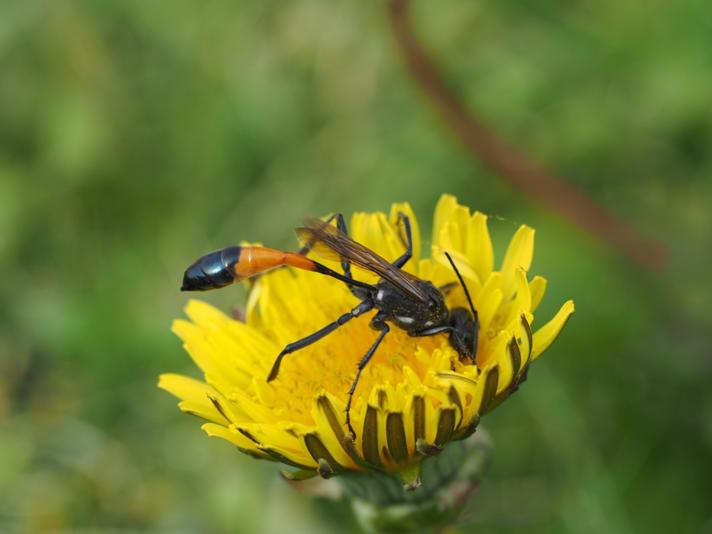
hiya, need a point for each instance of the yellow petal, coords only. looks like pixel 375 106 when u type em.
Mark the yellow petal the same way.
pixel 205 316
pixel 435 272
pixel 498 354
pixel 186 388
pixel 443 212
pixel 281 440
pixel 450 225
pixel 195 396
pixel 521 303
pixel 462 262
pixel 488 300
pixel 525 338
pixel 546 335
pixel 207 355
pixel 519 255
pixel 375 232
pixel 479 246
pixel 233 436
pixel 486 387
pixel 327 412
pixel 537 287
pixel 464 384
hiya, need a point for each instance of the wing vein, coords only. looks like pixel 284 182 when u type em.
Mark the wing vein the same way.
pixel 317 232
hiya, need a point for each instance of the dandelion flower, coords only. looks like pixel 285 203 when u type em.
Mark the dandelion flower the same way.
pixel 414 397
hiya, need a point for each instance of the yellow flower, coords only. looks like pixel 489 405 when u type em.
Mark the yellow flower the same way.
pixel 414 397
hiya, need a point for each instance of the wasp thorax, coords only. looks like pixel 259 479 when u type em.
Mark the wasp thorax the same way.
pixel 412 315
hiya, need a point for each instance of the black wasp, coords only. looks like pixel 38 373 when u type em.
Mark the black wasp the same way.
pixel 401 299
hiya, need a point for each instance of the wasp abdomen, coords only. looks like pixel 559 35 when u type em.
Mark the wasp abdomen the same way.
pixel 232 264
pixel 212 271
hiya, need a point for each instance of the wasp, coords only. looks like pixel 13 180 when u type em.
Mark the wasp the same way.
pixel 400 299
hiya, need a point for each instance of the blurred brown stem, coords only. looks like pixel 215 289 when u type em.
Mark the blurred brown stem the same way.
pixel 520 171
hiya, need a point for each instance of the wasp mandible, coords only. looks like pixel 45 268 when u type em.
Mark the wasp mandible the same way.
pixel 401 299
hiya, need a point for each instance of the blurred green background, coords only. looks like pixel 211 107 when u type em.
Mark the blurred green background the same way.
pixel 137 135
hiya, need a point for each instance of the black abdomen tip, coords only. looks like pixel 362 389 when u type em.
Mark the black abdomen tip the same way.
pixel 212 271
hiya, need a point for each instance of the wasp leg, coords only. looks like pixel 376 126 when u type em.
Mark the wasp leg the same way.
pixel 383 327
pixel 341 225
pixel 306 248
pixel 362 308
pixel 345 264
pixel 400 262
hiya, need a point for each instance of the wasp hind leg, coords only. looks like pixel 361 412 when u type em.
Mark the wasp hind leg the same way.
pixel 378 323
pixel 307 248
pixel 400 262
pixel 345 264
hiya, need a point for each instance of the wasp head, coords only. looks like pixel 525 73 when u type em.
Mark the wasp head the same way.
pixel 463 336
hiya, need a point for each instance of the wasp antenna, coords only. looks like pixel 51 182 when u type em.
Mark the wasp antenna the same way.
pixel 464 287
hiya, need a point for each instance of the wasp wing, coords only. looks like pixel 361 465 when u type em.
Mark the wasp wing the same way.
pixel 331 243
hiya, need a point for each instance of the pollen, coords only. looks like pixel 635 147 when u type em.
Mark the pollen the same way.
pixel 414 396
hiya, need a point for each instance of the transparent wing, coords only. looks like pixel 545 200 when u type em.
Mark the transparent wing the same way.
pixel 331 243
